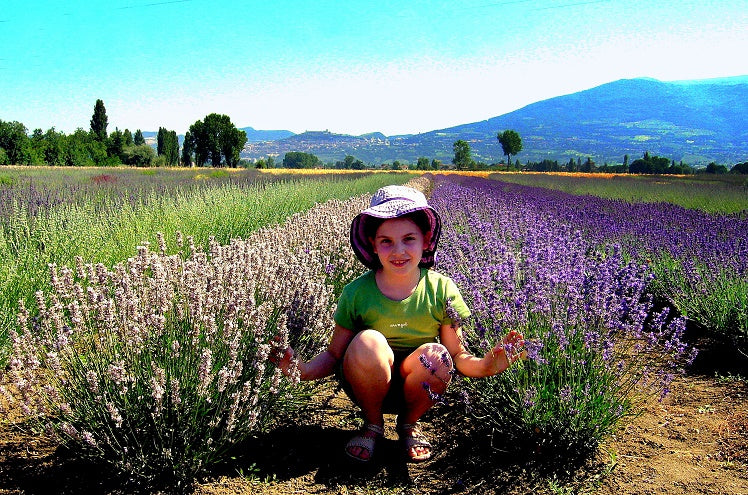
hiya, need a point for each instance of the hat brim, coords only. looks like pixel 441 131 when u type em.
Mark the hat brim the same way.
pixel 362 245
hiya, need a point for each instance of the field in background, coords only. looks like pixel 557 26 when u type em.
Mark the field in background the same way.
pixel 709 193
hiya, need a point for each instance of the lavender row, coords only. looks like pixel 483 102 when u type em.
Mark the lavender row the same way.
pixel 700 259
pixel 596 345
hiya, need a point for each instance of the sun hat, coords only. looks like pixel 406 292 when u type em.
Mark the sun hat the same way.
pixel 393 202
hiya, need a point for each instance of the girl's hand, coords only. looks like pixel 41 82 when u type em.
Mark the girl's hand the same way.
pixel 283 359
pixel 510 349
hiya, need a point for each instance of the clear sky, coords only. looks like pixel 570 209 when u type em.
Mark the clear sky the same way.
pixel 347 66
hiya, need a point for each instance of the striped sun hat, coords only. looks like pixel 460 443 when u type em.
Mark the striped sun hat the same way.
pixel 393 202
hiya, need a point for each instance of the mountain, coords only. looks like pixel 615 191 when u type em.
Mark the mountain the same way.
pixel 694 121
pixel 697 122
pixel 328 146
pixel 259 135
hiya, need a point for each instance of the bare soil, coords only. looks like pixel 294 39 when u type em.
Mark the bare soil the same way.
pixel 693 442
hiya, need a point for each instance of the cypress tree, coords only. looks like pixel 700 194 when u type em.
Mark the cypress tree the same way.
pixel 99 121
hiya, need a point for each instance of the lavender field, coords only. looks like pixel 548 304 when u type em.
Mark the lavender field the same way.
pixel 698 260
pixel 51 215
pixel 113 360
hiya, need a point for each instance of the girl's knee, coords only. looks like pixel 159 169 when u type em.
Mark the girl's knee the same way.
pixel 369 338
pixel 435 361
pixel 369 346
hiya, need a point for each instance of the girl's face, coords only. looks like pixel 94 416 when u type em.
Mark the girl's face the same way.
pixel 399 244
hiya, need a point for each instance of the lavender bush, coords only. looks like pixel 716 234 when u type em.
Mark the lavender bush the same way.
pixel 595 347
pixel 159 365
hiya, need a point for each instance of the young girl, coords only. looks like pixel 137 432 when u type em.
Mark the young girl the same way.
pixel 383 348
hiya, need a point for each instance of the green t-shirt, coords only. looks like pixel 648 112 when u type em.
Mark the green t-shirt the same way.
pixel 408 323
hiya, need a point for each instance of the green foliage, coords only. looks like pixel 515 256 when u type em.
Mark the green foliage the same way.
pixel 216 139
pixel 713 168
pixel 462 159
pixel 740 168
pixel 649 165
pixel 80 149
pixel 138 139
pixel 15 143
pixel 167 145
pixel 511 144
pixel 423 163
pixel 217 174
pixel 188 149
pixel 716 300
pixel 299 159
pixel 653 165
pixel 350 163
pixel 140 155
pixel 116 144
pixel 54 146
pixel 99 121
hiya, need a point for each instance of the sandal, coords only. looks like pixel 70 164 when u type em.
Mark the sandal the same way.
pixel 366 440
pixel 413 437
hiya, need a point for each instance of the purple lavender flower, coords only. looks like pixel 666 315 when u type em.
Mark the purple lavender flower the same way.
pixel 529 398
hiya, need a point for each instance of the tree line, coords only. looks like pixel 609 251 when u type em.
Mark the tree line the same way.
pixel 511 144
pixel 214 139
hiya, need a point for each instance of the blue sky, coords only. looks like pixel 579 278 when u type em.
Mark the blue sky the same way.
pixel 349 66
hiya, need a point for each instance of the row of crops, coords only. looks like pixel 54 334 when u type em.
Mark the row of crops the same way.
pixel 155 359
pixel 53 215
pixel 699 260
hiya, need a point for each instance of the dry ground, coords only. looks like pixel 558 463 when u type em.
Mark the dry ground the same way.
pixel 694 442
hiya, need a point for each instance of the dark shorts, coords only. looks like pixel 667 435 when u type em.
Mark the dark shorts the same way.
pixel 394 401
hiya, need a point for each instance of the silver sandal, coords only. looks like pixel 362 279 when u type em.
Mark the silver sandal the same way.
pixel 412 436
pixel 364 441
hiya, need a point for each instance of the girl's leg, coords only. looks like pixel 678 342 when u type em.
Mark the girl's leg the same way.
pixel 428 366
pixel 427 371
pixel 367 367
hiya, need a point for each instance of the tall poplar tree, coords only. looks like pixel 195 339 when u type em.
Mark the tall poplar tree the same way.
pixel 160 141
pixel 167 145
pixel 99 121
pixel 187 149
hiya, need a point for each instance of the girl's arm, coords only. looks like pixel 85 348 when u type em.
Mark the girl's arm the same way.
pixel 492 363
pixel 322 364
